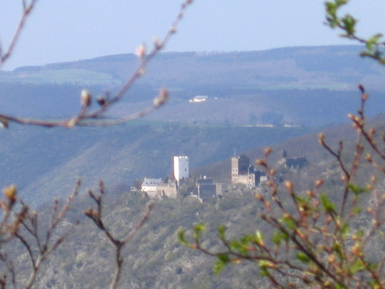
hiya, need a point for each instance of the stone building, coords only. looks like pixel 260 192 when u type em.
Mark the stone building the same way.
pixel 156 188
pixel 293 163
pixel 243 173
pixel 207 189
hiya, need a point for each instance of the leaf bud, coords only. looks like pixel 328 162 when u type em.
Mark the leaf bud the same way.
pixel 319 183
pixel 268 151
pixel 141 51
pixel 4 123
pixel 10 193
pixel 163 95
pixel 356 249
pixel 331 258
pixel 289 186
pixel 321 138
pixel 158 45
pixel 361 87
pixel 372 131
pixel 101 100
pixel 85 98
pixel 162 98
pixel 72 122
pixel 373 179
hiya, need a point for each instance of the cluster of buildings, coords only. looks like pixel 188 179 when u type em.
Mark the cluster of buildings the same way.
pixel 242 172
pixel 206 188
pixel 157 188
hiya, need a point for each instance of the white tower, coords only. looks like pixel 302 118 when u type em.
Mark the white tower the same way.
pixel 181 169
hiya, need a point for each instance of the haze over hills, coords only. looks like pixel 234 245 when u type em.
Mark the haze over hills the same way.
pixel 296 91
pixel 45 163
pixel 308 87
pixel 312 86
pixel 154 258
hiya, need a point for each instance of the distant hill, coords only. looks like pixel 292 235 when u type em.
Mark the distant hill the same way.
pixel 312 86
pixel 323 67
pixel 305 87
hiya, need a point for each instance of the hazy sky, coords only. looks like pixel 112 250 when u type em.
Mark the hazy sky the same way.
pixel 65 30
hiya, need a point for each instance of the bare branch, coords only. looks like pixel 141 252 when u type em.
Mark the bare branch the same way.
pixel 97 217
pixel 97 117
pixel 27 9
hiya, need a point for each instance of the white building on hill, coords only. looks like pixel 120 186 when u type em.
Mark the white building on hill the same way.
pixel 181 168
pixel 199 98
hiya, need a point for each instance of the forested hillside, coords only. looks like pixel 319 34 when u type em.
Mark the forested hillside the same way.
pixel 255 99
pixel 155 258
pixel 288 86
pixel 46 163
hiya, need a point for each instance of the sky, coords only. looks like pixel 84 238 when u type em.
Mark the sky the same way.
pixel 70 30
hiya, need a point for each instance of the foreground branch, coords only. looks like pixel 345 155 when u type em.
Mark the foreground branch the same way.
pixel 97 117
pixel 117 243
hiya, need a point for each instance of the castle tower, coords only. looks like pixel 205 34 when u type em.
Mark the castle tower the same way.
pixel 234 170
pixel 240 171
pixel 181 168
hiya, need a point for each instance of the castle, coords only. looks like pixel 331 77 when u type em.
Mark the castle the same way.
pixel 243 173
pixel 156 188
pixel 293 163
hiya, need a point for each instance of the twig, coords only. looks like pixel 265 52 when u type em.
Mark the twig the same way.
pixel 97 117
pixel 27 9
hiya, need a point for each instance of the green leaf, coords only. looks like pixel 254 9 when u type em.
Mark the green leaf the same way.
pixel 349 23
pixel 263 264
pixel 372 42
pixel 221 231
pixel 259 238
pixel 327 204
pixel 218 267
pixel 303 257
pixel 198 229
pixel 357 266
pixel 223 260
pixel 345 229
pixel 235 245
pixel 357 190
pixel 278 237
pixel 338 249
pixel 356 210
pixel 288 221
pixel 181 237
pixel 247 239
